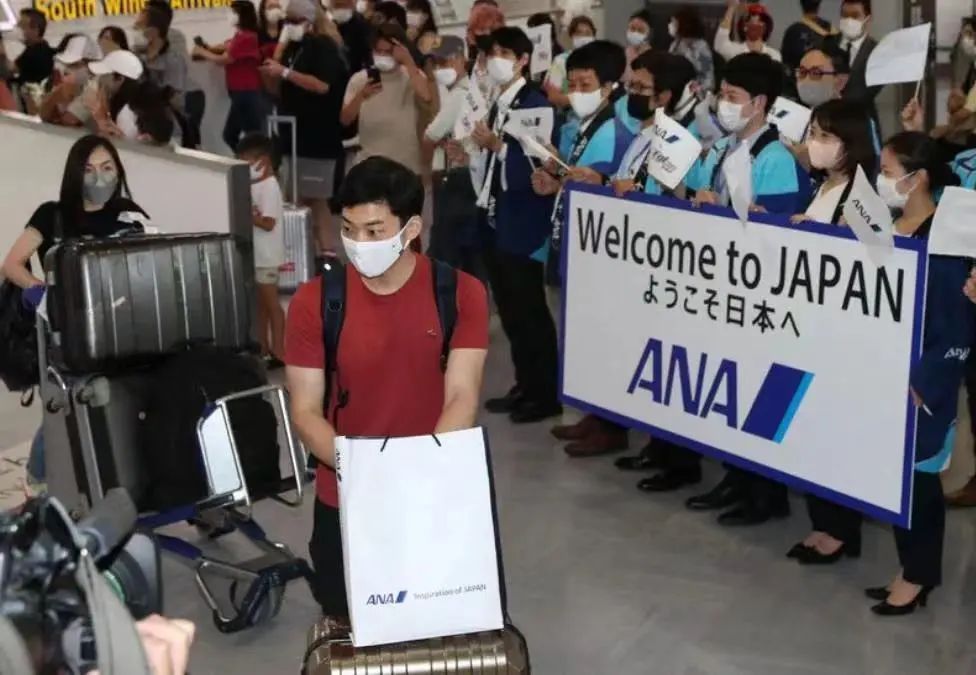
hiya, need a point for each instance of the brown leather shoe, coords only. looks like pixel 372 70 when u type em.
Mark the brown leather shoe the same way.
pixel 963 498
pixel 599 443
pixel 577 432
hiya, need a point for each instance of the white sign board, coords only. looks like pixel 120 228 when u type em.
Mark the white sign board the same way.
pixel 473 110
pixel 952 230
pixel 899 57
pixel 756 345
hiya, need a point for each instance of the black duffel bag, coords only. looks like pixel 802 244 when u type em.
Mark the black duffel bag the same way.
pixel 18 340
pixel 181 390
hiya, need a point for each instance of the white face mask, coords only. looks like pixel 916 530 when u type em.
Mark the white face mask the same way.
pixel 233 20
pixel 582 40
pixel 446 77
pixel 362 6
pixel 274 15
pixel 257 173
pixel 851 29
pixel 636 38
pixel 888 191
pixel 19 34
pixel 415 19
pixel 501 70
pixel 342 15
pixel 730 116
pixel 373 258
pixel 968 46
pixel 384 63
pixel 673 29
pixel 585 104
pixel 824 155
pixel 295 32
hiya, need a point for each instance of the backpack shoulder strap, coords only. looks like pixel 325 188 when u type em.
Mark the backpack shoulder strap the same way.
pixel 445 295
pixel 768 137
pixel 333 314
pixel 839 211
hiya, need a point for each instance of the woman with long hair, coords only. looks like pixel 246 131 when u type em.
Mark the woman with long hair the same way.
pixel 687 33
pixel 94 202
pixel 241 58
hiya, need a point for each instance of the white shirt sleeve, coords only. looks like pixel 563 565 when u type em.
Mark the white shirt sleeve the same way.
pixel 443 123
pixel 725 47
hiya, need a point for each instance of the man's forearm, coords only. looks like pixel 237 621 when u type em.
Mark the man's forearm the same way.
pixel 308 82
pixel 420 83
pixel 460 412
pixel 317 435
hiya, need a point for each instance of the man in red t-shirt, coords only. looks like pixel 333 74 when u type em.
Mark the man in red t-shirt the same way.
pixel 389 354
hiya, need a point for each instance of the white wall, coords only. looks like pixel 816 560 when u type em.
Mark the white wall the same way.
pixel 182 192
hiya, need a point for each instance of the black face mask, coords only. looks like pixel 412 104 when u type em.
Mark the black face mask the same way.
pixel 639 107
pixel 483 43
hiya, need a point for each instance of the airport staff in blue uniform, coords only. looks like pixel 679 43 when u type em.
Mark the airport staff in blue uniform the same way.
pixel 750 84
pixel 913 170
pixel 593 148
pixel 658 81
pixel 514 223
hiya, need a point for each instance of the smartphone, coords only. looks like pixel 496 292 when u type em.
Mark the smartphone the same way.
pixel 373 73
pixel 198 41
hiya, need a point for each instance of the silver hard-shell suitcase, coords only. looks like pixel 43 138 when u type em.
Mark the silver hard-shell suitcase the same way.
pixel 298 229
pixel 123 301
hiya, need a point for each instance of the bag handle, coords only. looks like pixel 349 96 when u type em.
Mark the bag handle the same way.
pixel 274 122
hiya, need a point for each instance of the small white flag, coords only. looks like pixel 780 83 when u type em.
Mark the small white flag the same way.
pixel 737 169
pixel 952 230
pixel 474 109
pixel 900 56
pixel 541 37
pixel 673 151
pixel 791 118
pixel 870 218
pixel 537 122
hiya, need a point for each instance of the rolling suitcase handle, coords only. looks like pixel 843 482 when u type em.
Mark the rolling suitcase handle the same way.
pixel 274 122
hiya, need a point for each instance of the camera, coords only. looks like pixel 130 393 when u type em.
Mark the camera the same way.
pixel 43 594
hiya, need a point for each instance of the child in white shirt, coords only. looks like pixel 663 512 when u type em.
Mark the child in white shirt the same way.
pixel 269 242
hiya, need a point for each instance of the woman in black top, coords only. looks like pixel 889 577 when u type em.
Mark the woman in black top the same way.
pixel 94 202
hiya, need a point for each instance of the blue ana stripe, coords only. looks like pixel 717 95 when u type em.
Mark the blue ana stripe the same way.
pixel 773 401
pixel 794 406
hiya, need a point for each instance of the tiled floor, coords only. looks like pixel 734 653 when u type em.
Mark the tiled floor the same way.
pixel 606 581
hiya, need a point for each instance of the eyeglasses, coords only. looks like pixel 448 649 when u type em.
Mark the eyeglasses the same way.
pixel 815 74
pixel 640 89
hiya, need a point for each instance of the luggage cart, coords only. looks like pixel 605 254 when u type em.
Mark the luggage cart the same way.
pixel 89 430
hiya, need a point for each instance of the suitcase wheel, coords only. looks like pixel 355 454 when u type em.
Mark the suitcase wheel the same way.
pixel 270 604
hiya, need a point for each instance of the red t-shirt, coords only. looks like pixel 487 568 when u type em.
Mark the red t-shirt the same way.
pixel 389 354
pixel 245 57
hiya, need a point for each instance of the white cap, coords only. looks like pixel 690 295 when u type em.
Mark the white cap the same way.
pixel 119 62
pixel 80 47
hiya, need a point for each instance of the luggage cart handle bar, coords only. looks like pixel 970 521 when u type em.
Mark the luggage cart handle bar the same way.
pixel 295 455
pixel 274 122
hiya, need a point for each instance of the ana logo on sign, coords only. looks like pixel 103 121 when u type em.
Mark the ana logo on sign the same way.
pixel 770 415
pixel 387 598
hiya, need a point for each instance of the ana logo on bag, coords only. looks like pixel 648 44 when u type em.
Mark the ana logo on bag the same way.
pixel 387 598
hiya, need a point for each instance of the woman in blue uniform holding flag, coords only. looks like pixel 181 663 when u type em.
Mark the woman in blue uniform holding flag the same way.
pixel 913 171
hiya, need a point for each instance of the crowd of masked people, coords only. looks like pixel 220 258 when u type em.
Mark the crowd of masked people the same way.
pixel 497 211
pixel 368 80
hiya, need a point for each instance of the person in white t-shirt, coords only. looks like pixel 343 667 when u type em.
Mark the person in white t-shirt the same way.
pixel 269 242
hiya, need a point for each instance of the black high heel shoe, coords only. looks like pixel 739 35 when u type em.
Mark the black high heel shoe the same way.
pixel 797 550
pixel 920 600
pixel 811 556
pixel 878 593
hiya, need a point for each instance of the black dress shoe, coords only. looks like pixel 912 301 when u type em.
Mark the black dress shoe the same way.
pixel 639 462
pixel 528 412
pixel 504 404
pixel 748 515
pixel 920 600
pixel 812 556
pixel 722 496
pixel 669 481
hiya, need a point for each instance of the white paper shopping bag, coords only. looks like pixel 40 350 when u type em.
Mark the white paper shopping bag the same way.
pixel 419 537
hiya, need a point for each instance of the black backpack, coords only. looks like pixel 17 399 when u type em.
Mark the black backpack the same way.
pixel 180 392
pixel 334 310
pixel 18 340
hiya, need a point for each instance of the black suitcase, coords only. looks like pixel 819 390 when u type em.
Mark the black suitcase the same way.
pixel 114 303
